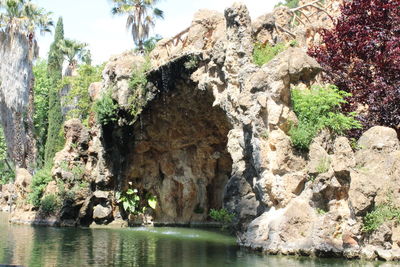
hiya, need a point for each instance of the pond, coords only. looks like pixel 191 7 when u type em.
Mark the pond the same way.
pixel 45 246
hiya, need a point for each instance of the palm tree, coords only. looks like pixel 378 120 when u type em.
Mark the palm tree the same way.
pixel 74 51
pixel 24 16
pixel 141 17
pixel 20 20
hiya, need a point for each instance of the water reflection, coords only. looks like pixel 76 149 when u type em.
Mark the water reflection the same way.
pixel 170 247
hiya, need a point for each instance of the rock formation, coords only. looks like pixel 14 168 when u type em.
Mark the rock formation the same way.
pixel 210 130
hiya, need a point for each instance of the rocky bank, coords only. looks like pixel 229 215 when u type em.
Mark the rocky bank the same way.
pixel 210 130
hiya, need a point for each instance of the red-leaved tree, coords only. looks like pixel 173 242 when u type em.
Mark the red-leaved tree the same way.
pixel 361 55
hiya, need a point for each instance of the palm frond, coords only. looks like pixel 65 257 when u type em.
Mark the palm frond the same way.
pixel 158 13
pixel 129 21
pixel 141 17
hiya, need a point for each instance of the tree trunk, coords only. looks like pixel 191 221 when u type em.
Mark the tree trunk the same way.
pixel 16 98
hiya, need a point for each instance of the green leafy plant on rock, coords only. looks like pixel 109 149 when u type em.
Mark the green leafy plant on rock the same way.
pixel 132 203
pixel 264 53
pixel 316 109
pixel 191 63
pixel 130 200
pixel 323 165
pixel 380 214
pixel 223 216
pixel 152 201
pixel 106 109
pixel 321 211
pixel 137 85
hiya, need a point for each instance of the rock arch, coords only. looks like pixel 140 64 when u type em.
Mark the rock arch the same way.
pixel 178 153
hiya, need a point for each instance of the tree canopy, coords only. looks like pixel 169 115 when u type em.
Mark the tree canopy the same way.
pixel 54 71
pixel 141 17
pixel 24 16
pixel 74 51
pixel 361 55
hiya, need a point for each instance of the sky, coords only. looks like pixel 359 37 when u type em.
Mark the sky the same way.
pixel 91 22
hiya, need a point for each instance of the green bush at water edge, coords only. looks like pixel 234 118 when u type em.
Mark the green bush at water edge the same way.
pixel 39 182
pixel 223 216
pixel 49 205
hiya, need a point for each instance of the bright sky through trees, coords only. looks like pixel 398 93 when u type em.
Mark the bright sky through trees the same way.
pixel 90 21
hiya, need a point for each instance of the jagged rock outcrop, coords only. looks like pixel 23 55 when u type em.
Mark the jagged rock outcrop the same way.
pixel 327 217
pixel 16 97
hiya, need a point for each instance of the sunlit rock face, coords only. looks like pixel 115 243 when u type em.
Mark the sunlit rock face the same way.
pixel 178 153
pixel 16 97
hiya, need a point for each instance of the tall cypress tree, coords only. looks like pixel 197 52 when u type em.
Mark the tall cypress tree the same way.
pixel 54 70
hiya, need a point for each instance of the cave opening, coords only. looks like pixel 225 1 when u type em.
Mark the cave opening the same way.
pixel 179 154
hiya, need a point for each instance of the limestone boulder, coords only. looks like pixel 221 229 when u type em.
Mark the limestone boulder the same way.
pixel 277 190
pixel 23 180
pixel 379 138
pixel 205 32
pixel 102 214
pixel 117 74
pixel 264 29
pixel 376 174
pixel 319 159
pixel 8 197
pixel 95 91
pixel 288 229
pixel 71 163
pixel 343 160
pixel 281 156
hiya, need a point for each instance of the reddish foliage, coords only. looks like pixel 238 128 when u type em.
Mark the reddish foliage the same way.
pixel 361 55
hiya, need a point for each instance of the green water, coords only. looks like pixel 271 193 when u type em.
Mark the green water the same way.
pixel 41 246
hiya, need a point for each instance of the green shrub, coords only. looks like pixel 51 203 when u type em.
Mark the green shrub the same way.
pixel 39 182
pixel 223 216
pixel 192 63
pixel 151 201
pixel 137 84
pixel 302 135
pixel 130 201
pixel 316 109
pixel 265 53
pixel 139 78
pixel 380 215
pixel 106 109
pixel 323 165
pixel 49 204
